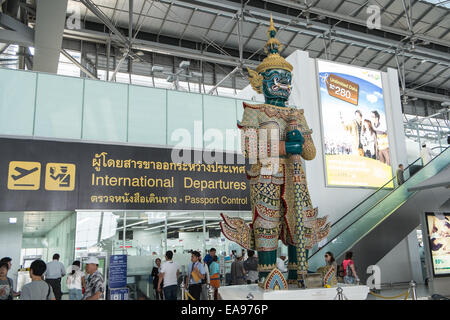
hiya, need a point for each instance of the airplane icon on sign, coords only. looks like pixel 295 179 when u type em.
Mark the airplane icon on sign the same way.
pixel 23 172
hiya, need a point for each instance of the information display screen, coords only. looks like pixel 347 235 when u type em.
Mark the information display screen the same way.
pixel 438 231
pixel 354 126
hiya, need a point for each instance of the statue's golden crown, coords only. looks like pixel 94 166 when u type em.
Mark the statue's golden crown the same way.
pixel 273 60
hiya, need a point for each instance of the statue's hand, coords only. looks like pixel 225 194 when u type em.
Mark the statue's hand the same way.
pixel 295 136
pixel 294 147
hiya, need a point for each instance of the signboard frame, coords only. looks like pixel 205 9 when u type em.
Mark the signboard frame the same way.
pixel 428 243
pixel 218 207
pixel 322 134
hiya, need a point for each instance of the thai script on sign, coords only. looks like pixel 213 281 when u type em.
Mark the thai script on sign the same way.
pixel 100 160
pixel 132 198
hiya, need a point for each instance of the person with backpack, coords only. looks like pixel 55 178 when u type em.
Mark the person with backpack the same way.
pixel 350 276
pixel 37 289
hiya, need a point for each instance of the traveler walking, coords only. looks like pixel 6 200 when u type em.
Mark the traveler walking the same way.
pixel 37 289
pixel 426 154
pixel 214 276
pixel 251 267
pixel 196 273
pixel 75 281
pixel 55 271
pixel 6 284
pixel 350 276
pixel 95 287
pixel 169 274
pixel 209 257
pixel 399 174
pixel 8 262
pixel 155 279
pixel 237 270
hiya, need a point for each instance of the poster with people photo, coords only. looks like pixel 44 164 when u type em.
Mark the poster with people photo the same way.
pixel 439 236
pixel 354 126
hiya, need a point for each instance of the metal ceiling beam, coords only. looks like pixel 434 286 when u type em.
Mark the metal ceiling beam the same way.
pixel 419 19
pixel 188 23
pixel 435 24
pixel 18 33
pixel 435 76
pixel 425 72
pixel 354 20
pixel 102 16
pixel 79 65
pixel 151 46
pixel 228 8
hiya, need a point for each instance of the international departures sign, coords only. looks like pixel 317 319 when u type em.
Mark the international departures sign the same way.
pixel 41 175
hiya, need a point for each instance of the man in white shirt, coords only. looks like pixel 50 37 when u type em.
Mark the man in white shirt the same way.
pixel 55 271
pixel 426 154
pixel 169 273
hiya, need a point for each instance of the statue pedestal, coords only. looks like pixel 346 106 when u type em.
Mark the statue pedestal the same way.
pixel 351 292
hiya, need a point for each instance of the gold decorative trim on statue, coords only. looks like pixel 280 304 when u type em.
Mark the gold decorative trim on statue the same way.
pixel 272 61
pixel 266 267
pixel 275 281
pixel 256 80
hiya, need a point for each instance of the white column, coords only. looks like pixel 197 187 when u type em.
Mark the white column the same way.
pixel 49 30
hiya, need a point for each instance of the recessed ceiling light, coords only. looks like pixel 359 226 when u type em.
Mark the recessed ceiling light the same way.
pixel 12 220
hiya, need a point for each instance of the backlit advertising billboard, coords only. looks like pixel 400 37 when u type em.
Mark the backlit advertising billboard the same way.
pixel 438 228
pixel 354 128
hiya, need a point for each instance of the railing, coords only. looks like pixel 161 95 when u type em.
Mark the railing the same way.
pixel 363 206
pixel 357 222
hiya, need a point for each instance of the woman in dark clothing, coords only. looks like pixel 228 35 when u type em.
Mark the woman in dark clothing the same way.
pixel 251 266
pixel 155 277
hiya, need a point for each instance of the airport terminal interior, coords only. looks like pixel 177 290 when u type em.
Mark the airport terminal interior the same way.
pixel 134 128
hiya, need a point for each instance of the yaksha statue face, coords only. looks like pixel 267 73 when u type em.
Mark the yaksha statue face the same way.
pixel 272 76
pixel 276 84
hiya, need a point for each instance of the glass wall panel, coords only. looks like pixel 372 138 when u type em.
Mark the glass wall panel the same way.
pixel 221 132
pixel 59 104
pixel 105 111
pixel 147 115
pixel 17 95
pixel 185 116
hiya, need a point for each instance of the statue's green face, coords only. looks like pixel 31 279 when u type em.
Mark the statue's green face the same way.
pixel 277 84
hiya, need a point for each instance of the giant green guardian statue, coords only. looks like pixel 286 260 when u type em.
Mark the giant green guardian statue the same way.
pixel 275 138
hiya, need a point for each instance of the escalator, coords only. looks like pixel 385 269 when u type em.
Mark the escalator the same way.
pixel 378 223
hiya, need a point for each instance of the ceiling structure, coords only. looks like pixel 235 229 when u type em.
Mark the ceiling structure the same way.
pixel 216 36
pixel 38 224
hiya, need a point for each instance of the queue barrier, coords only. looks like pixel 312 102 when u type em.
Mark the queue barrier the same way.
pixel 411 290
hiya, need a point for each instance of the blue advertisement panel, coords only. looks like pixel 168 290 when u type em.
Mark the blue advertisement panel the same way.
pixel 118 271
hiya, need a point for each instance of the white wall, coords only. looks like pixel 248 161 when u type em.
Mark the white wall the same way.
pixel 336 201
pixel 402 263
pixel 11 240
pixel 148 239
pixel 61 240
